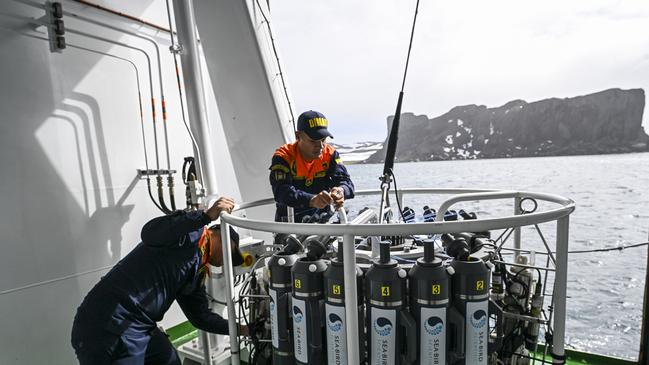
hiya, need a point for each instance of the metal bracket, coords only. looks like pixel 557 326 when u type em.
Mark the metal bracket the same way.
pixel 55 26
pixel 146 173
pixel 176 48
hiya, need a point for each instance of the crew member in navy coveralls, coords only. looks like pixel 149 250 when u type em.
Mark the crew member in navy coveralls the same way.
pixel 116 323
pixel 308 174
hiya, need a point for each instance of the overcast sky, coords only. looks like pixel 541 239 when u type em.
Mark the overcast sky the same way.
pixel 345 58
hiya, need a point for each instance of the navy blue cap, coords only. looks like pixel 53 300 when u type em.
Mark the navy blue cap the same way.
pixel 237 257
pixel 314 124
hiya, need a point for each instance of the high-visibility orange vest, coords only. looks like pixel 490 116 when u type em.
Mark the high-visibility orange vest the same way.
pixel 303 170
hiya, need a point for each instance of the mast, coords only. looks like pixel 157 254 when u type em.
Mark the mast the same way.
pixel 386 179
pixel 643 358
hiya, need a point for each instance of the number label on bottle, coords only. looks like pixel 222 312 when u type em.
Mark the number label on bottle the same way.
pixel 385 291
pixel 437 289
pixel 336 289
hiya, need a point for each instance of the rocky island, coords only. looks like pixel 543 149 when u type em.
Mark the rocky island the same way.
pixel 609 121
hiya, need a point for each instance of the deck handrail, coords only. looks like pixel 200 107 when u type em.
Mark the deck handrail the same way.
pixel 391 229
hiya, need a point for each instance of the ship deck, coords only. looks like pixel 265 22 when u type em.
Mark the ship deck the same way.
pixel 185 332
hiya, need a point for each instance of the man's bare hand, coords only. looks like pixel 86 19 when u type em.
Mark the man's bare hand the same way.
pixel 244 330
pixel 338 196
pixel 321 200
pixel 223 204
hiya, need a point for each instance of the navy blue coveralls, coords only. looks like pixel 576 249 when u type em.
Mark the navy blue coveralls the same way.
pixel 295 182
pixel 116 322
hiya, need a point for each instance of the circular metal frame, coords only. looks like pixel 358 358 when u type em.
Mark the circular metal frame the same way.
pixel 567 206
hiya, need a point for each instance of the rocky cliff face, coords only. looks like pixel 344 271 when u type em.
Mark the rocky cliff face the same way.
pixel 605 122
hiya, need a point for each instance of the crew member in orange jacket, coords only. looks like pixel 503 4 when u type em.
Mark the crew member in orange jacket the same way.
pixel 308 174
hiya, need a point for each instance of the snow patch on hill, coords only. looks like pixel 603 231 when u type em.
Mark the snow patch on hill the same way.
pixel 357 152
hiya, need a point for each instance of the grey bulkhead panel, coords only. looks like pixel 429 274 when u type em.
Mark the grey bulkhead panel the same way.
pixel 70 145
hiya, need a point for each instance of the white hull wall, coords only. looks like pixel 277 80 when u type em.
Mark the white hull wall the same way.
pixel 245 76
pixel 70 144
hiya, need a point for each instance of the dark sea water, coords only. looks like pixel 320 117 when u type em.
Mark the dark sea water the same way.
pixel 605 290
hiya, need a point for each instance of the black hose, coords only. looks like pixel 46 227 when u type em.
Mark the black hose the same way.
pixel 396 194
pixel 148 186
pixel 161 197
pixel 170 185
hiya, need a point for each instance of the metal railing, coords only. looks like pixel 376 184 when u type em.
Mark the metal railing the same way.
pixel 349 231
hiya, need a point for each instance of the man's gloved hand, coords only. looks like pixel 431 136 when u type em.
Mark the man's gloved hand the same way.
pixel 222 204
pixel 321 200
pixel 338 196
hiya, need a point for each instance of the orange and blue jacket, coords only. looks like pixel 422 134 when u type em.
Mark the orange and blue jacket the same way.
pixel 295 181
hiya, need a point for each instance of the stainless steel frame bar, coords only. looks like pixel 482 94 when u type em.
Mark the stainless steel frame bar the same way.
pixel 228 272
pixel 559 299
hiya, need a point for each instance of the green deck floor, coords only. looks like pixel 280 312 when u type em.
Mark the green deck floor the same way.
pixel 578 357
pixel 185 332
pixel 182 333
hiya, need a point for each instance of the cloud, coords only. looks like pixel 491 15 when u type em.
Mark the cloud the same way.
pixel 346 58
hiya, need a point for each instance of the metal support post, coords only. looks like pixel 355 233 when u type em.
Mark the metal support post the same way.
pixel 643 358
pixel 229 292
pixel 385 199
pixel 560 287
pixel 197 111
pixel 351 302
pixel 517 230
pixel 195 94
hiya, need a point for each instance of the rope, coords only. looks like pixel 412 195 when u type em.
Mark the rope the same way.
pixel 620 248
pixel 609 249
pixel 523 211
pixel 279 65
